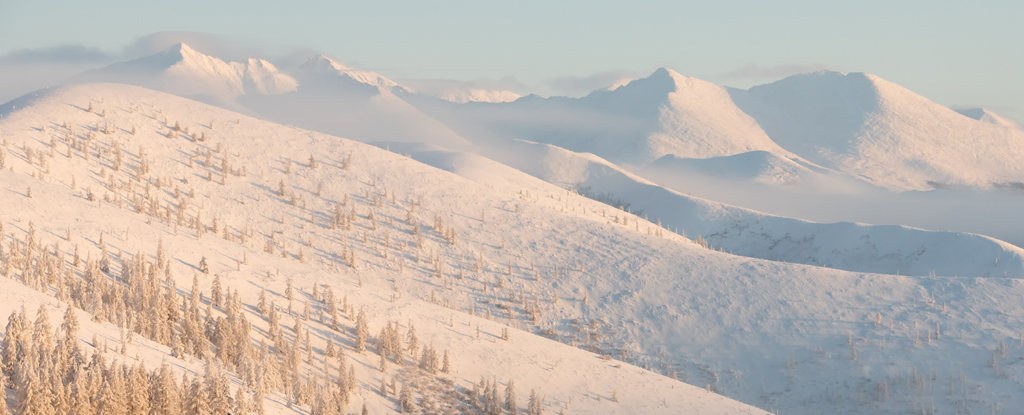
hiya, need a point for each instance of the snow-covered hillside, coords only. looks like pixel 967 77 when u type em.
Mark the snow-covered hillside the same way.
pixel 848 246
pixel 378 259
pixel 802 339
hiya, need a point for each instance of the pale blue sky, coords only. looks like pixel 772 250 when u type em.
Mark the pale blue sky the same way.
pixel 954 52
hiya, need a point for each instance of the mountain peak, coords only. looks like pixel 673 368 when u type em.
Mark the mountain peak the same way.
pixel 321 65
pixel 182 48
pixel 664 72
pixel 185 53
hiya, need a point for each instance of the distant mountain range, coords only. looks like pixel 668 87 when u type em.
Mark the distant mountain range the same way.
pixel 855 124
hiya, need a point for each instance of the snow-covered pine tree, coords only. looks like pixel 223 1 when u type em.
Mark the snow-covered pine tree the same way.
pixel 412 341
pixel 240 405
pixel 510 398
pixel 138 391
pixel 405 400
pixel 4 410
pixel 112 398
pixel 534 407
pixel 288 292
pixel 195 399
pixel 261 304
pixel 362 331
pixel 12 353
pixel 215 291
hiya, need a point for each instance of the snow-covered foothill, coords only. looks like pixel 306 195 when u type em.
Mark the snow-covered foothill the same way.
pixel 529 254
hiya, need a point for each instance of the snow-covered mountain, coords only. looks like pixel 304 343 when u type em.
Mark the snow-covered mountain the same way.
pixel 854 123
pixel 320 94
pixel 183 71
pixel 666 113
pixel 527 253
pixel 862 124
pixel 858 124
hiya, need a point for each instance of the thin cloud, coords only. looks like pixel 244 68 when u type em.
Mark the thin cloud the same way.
pixel 221 47
pixel 436 86
pixel 575 86
pixel 62 54
pixel 759 72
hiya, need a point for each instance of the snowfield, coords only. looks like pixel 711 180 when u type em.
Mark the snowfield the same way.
pixel 492 249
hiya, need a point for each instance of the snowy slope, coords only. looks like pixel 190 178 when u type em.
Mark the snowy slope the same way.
pixel 802 339
pixel 848 246
pixel 862 124
pixel 571 379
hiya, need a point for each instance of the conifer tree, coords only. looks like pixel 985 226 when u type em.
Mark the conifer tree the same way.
pixel 510 398
pixel 412 340
pixel 12 354
pixel 81 399
pixel 329 351
pixel 405 400
pixel 4 410
pixel 42 333
pixel 534 408
pixel 138 391
pixel 112 399
pixel 257 403
pixel 261 304
pixel 215 291
pixel 30 394
pixel 362 331
pixel 197 402
pixel 240 405
pixel 445 366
